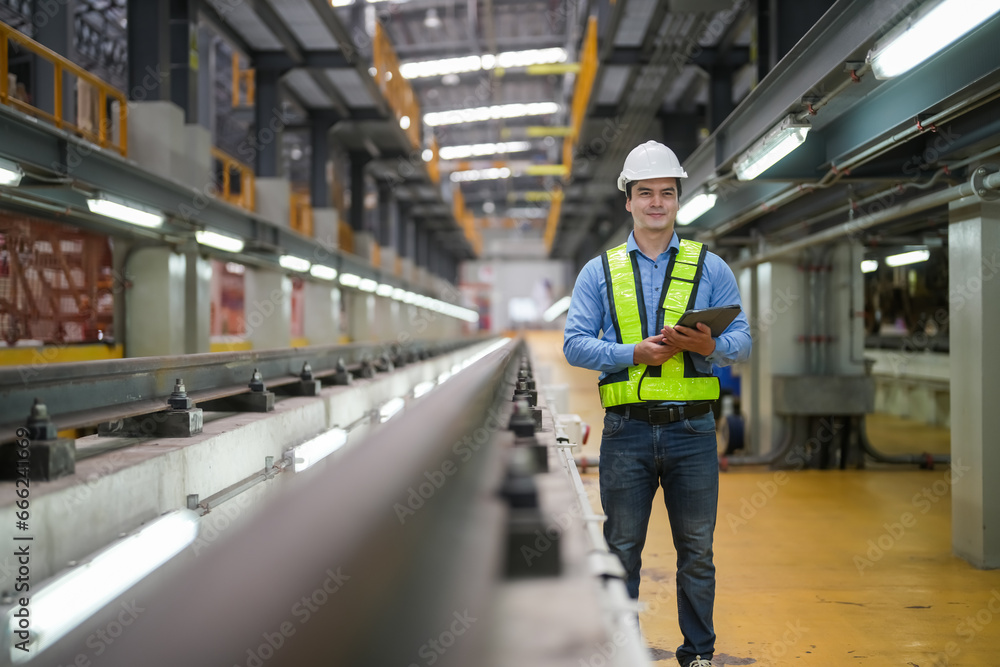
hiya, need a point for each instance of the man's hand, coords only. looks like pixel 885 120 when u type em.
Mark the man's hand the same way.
pixel 693 340
pixel 653 352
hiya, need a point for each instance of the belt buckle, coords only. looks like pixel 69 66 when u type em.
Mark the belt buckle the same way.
pixel 674 413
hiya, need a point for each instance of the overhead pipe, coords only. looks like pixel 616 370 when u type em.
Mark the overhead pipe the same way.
pixel 989 182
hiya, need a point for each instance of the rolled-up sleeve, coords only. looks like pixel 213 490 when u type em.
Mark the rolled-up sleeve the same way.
pixel 582 343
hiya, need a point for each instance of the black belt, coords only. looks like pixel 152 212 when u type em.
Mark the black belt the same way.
pixel 662 414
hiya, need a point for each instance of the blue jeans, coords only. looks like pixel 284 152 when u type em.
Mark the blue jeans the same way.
pixel 636 457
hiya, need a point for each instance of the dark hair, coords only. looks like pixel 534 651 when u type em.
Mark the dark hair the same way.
pixel 629 184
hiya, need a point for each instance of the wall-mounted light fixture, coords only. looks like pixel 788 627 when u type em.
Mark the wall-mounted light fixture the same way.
pixel 779 141
pixel 293 263
pixel 929 29
pixel 695 207
pixel 911 257
pixel 219 241
pixel 125 211
pixel 10 173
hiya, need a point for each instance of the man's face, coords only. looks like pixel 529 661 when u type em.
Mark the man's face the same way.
pixel 653 204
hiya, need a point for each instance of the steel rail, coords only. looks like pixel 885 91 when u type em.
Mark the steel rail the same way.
pixel 334 573
pixel 87 393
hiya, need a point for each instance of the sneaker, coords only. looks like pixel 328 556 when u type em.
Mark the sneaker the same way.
pixel 698 662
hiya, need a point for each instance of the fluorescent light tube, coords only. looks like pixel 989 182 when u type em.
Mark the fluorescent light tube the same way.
pixel 125 212
pixel 71 598
pixel 399 294
pixel 220 241
pixel 349 280
pixel 869 265
pixel 315 450
pixel 10 173
pixel 477 150
pixel 491 174
pixel 695 207
pixel 923 33
pixel 293 263
pixel 323 272
pixel 384 289
pixel 367 285
pixel 905 258
pixel 556 309
pixel 779 141
pixel 495 112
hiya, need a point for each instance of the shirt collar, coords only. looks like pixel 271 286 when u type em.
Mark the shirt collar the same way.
pixel 674 245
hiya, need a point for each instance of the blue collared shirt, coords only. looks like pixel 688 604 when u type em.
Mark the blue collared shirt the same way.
pixel 590 341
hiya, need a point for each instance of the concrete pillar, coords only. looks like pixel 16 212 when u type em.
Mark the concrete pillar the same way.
pixel 326 228
pixel 198 303
pixel 973 256
pixel 184 57
pixel 267 122
pixel 776 320
pixel 267 308
pixel 361 318
pixel 148 50
pixel 322 316
pixel 53 23
pixel 386 319
pixel 155 303
pixel 273 200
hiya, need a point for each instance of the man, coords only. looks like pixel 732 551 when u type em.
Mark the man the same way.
pixel 657 386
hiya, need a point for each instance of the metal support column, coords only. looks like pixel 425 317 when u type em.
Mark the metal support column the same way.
pixel 184 57
pixel 319 138
pixel 148 50
pixel 206 79
pixel 720 101
pixel 54 29
pixel 974 288
pixel 268 122
pixel 358 189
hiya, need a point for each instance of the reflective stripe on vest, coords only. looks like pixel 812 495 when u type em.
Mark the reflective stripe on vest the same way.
pixel 679 292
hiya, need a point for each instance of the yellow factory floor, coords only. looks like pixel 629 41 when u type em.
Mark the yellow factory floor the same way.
pixel 819 568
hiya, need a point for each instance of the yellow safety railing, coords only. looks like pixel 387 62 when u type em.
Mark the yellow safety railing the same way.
pixel 581 92
pixel 85 82
pixel 395 88
pixel 552 223
pixel 346 237
pixel 245 197
pixel 300 213
pixel 243 80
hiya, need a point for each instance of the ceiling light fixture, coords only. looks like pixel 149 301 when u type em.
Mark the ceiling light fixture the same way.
pixel 219 241
pixel 495 112
pixel 293 263
pixel 126 212
pixel 384 289
pixel 432 20
pixel 926 31
pixel 452 66
pixel 695 207
pixel 477 150
pixel 491 174
pixel 404 122
pixel 869 265
pixel 367 285
pixel 10 173
pixel 911 257
pixel 779 141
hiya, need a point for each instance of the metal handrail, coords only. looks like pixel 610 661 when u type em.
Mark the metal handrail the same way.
pixel 300 213
pixel 60 66
pixel 245 198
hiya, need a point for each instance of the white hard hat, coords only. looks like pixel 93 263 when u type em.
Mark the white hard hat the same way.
pixel 650 160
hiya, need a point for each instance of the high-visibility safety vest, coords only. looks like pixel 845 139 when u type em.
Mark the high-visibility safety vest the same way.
pixel 677 379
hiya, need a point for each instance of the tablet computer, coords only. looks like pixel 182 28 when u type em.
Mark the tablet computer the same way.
pixel 716 318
